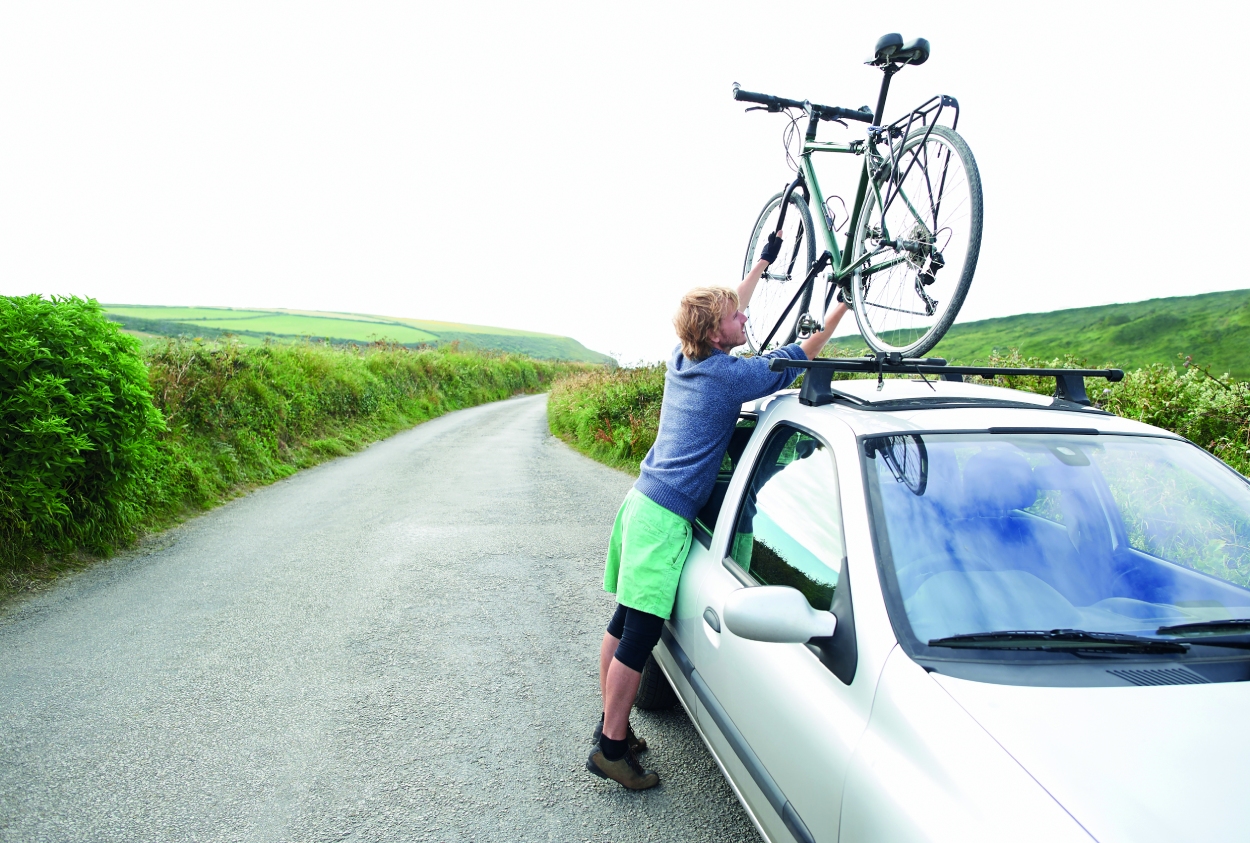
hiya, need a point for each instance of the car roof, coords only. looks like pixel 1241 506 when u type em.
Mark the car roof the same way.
pixel 905 404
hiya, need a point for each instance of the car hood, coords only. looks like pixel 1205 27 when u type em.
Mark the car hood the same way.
pixel 1129 764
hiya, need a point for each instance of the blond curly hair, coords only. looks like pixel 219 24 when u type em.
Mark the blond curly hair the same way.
pixel 699 316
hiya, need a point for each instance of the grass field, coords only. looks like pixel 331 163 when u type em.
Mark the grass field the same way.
pixel 253 327
pixel 1212 328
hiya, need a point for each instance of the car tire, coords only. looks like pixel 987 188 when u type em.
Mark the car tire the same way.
pixel 654 692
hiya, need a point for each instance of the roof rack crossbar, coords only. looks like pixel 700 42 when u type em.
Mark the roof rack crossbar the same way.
pixel 818 388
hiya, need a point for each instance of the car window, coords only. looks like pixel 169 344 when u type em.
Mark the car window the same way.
pixel 737 444
pixel 1192 519
pixel 1103 533
pixel 789 528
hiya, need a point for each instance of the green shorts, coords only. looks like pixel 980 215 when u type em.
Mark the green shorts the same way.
pixel 645 556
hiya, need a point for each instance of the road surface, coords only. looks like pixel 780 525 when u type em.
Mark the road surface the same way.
pixel 396 645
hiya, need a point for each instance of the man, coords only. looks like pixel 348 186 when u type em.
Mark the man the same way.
pixel 704 389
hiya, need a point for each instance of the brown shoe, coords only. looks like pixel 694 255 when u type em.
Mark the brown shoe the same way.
pixel 626 771
pixel 637 745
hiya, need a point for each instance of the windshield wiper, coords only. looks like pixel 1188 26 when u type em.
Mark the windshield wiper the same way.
pixel 1226 625
pixel 1208 629
pixel 1060 639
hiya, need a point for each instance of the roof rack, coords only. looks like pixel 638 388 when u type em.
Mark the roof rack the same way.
pixel 818 390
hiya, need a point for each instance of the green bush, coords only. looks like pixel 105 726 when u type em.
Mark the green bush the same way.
pixel 1209 411
pixel 77 429
pixel 241 416
pixel 610 416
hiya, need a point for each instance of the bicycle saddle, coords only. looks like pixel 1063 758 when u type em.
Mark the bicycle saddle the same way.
pixel 890 49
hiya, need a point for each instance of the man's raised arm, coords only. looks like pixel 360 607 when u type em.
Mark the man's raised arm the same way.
pixel 813 344
pixel 767 255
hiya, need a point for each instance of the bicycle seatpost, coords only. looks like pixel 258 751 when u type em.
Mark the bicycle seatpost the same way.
pixel 889 70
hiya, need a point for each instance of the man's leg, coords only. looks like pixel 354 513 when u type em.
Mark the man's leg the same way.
pixel 640 632
pixel 620 677
pixel 606 649
pixel 618 698
pixel 611 641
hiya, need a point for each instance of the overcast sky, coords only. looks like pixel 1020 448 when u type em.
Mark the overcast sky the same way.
pixel 573 167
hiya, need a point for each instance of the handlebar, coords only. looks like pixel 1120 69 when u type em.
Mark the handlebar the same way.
pixel 833 112
pixel 820 112
pixel 773 103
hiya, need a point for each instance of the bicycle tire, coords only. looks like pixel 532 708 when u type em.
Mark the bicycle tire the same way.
pixel 779 283
pixel 889 304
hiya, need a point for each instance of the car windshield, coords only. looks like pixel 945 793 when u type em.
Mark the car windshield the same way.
pixel 982 533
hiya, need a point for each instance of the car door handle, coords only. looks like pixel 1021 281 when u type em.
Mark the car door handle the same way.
pixel 711 619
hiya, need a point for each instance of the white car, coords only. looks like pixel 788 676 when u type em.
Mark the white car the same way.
pixel 941 611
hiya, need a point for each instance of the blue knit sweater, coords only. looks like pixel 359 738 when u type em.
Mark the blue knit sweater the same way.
pixel 697 416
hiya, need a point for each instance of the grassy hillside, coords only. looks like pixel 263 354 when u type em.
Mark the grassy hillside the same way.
pixel 1213 328
pixel 255 326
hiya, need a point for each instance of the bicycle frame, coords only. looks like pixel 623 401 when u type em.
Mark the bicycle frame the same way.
pixel 840 258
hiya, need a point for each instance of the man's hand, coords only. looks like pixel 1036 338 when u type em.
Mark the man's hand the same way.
pixel 772 248
pixel 767 255
pixel 813 344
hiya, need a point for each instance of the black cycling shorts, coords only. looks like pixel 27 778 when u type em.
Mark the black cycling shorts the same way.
pixel 639 632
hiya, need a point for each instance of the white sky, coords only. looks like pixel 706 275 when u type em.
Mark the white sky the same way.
pixel 574 167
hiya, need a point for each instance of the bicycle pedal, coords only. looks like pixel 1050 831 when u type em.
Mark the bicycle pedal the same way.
pixel 807 326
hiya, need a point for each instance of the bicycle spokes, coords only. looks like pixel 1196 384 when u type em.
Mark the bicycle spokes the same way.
pixel 918 237
pixel 779 300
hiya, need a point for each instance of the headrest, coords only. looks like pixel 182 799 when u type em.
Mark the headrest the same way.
pixel 944 488
pixel 998 480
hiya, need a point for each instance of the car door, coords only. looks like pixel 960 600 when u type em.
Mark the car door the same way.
pixel 788 714
pixel 687 617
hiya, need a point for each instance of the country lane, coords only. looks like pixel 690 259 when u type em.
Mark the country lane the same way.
pixel 396 645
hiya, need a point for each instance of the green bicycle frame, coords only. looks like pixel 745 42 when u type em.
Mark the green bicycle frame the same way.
pixel 841 258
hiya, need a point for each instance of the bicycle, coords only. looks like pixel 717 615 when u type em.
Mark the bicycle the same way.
pixel 913 232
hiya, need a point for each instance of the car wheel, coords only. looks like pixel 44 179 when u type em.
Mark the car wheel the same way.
pixel 654 692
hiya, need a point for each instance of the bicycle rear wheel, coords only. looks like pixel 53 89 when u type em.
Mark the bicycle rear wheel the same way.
pixel 924 244
pixel 782 279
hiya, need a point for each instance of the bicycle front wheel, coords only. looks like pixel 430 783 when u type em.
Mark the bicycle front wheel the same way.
pixel 768 312
pixel 921 228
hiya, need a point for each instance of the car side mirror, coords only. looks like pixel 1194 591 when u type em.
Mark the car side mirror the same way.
pixel 775 613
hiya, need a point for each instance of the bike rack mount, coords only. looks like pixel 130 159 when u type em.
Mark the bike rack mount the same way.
pixel 817 389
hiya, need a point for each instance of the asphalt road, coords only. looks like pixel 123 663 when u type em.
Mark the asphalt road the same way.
pixel 396 645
